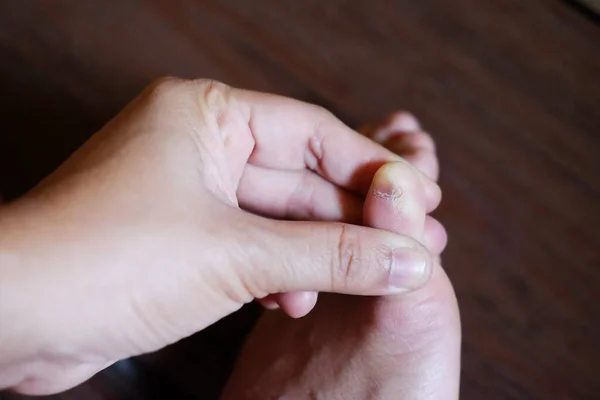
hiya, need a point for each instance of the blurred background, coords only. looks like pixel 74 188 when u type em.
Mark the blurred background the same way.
pixel 510 90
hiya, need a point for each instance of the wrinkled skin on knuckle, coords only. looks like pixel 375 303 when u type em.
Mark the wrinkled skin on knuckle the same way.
pixel 209 95
pixel 323 120
pixel 248 276
pixel 218 111
pixel 346 269
pixel 213 97
pixel 239 284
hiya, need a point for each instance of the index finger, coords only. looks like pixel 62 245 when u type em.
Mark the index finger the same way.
pixel 291 134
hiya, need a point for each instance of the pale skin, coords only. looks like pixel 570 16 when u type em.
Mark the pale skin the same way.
pixel 174 215
pixel 396 347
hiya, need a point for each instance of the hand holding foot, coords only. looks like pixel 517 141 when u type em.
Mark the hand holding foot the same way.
pixel 402 347
pixel 156 228
pixel 402 134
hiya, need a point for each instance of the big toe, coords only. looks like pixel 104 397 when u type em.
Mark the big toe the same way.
pixel 420 328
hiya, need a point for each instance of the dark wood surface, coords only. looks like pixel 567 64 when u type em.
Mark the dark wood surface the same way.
pixel 510 90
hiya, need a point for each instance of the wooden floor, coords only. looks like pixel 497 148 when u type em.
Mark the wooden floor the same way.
pixel 510 90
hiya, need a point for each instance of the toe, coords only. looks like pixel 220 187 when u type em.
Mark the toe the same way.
pixel 435 237
pixel 396 201
pixel 297 304
pixel 416 147
pixel 402 133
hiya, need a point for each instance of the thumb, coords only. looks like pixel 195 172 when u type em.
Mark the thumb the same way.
pixel 339 258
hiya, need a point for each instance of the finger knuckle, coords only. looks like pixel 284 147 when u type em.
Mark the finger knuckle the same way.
pixel 214 94
pixel 345 270
pixel 210 93
pixel 321 113
pixel 165 85
pixel 163 92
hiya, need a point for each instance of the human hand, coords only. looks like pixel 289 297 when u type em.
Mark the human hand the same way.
pixel 402 134
pixel 138 240
pixel 389 347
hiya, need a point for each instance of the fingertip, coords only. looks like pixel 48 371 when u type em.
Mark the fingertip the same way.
pixel 297 304
pixel 342 258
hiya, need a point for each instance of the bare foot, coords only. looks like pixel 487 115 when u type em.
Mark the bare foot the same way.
pixel 404 347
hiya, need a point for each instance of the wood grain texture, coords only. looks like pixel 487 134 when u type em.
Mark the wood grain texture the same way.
pixel 509 89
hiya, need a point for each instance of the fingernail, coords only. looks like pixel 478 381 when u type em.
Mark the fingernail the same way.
pixel 411 269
